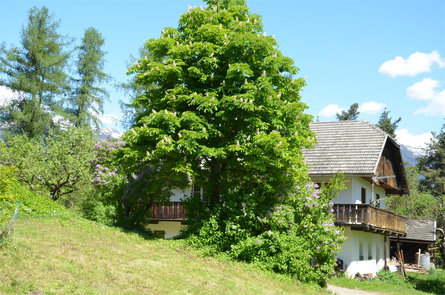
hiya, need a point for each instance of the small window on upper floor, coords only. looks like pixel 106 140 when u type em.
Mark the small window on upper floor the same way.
pixel 360 251
pixel 377 200
pixel 363 195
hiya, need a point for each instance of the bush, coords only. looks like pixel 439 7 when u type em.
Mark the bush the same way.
pixel 96 210
pixel 7 201
pixel 33 203
pixel 297 237
pixel 391 277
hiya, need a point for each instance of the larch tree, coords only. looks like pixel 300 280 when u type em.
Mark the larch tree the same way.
pixel 351 114
pixel 35 71
pixel 87 101
pixel 221 106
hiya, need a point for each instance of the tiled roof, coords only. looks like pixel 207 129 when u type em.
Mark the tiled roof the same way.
pixel 353 147
pixel 421 230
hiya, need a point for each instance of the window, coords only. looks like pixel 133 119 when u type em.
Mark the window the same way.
pixel 363 195
pixel 199 192
pixel 360 251
pixel 159 234
pixel 377 200
pixel 369 252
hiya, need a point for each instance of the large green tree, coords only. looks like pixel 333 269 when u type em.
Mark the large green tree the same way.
pixel 223 102
pixel 35 70
pixel 88 97
pixel 386 124
pixel 220 104
pixel 432 167
pixel 350 114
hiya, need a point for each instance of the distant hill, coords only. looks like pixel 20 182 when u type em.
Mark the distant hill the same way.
pixel 410 154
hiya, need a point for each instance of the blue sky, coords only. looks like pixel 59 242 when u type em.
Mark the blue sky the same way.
pixel 381 53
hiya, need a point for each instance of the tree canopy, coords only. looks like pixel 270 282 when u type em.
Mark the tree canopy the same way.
pixel 223 102
pixel 36 71
pixel 88 97
pixel 59 166
pixel 386 124
pixel 351 114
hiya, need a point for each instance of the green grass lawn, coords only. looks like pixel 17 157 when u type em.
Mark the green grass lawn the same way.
pixel 433 283
pixel 68 255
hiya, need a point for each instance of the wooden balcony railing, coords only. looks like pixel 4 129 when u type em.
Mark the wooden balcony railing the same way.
pixel 370 218
pixel 168 211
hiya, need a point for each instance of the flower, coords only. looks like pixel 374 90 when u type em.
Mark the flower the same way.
pixel 258 242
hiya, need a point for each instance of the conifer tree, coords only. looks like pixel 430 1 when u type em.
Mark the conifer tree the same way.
pixel 35 71
pixel 88 98
pixel 385 123
pixel 351 114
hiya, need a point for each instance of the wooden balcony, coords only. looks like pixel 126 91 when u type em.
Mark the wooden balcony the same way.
pixel 369 218
pixel 173 211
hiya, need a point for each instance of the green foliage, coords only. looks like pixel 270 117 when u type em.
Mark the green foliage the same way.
pixel 218 103
pixel 418 205
pixel 391 277
pixel 434 282
pixel 87 100
pixel 351 114
pixel 7 197
pixel 36 72
pixel 95 209
pixel 432 166
pixel 386 125
pixel 35 204
pixel 60 165
pixel 297 237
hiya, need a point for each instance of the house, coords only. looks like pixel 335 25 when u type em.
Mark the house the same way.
pixel 373 168
pixel 420 235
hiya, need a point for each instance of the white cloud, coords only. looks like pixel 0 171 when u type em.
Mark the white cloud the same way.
pixel 415 64
pixel 7 96
pixel 330 110
pixel 371 107
pixel 426 90
pixel 418 141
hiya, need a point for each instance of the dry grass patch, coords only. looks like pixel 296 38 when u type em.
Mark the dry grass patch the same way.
pixel 75 256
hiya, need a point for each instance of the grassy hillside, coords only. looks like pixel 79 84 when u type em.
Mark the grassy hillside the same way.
pixel 66 255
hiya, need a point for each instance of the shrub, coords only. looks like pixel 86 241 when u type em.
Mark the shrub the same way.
pixel 297 237
pixel 34 203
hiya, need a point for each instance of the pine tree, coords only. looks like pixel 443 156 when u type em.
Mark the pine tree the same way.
pixel 35 71
pixel 351 114
pixel 88 98
pixel 386 125
pixel 432 167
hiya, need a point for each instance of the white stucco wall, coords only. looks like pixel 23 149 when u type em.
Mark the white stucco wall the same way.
pixel 372 245
pixel 171 228
pixel 356 187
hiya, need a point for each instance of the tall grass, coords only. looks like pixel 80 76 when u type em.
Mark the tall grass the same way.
pixel 70 255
